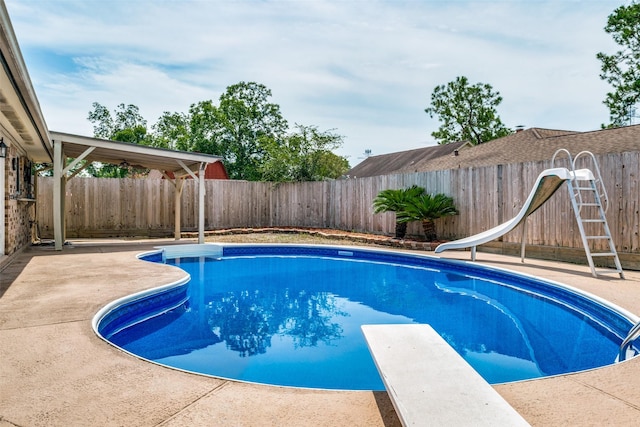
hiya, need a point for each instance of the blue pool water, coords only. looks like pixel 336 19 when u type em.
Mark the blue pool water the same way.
pixel 290 315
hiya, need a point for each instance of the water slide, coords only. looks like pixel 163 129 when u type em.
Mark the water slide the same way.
pixel 546 185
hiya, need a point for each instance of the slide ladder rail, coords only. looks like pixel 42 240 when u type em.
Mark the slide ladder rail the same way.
pixel 587 191
pixel 599 183
pixel 562 151
pixel 633 334
pixel 571 166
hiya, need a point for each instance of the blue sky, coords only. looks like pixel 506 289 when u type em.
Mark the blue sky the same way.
pixel 365 68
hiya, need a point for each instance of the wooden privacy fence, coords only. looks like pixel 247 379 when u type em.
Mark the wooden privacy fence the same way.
pixel 485 197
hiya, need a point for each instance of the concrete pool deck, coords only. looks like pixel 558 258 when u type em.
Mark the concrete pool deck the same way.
pixel 55 371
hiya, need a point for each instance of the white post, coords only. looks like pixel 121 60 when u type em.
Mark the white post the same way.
pixel 179 183
pixel 58 195
pixel 201 194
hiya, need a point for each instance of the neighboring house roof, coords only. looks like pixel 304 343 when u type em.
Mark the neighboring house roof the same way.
pixel 386 164
pixel 534 144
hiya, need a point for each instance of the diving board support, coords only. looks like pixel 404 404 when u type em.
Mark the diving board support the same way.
pixel 430 384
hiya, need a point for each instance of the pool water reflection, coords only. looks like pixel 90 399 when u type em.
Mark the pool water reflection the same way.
pixel 295 321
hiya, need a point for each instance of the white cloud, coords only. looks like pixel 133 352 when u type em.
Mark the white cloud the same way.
pixel 366 68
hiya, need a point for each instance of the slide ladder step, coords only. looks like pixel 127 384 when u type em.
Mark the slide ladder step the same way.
pixel 588 204
pixel 576 189
pixel 602 254
pixel 609 271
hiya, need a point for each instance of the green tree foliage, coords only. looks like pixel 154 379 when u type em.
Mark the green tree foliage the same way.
pixel 392 200
pixel 246 129
pixel 622 69
pixel 328 165
pixel 249 122
pixel 103 126
pixel 238 129
pixel 171 131
pixel 426 208
pixel 206 130
pixel 395 200
pixel 126 125
pixel 304 155
pixel 467 112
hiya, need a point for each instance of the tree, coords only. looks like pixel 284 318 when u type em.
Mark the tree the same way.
pixel 172 131
pixel 392 200
pixel 328 165
pixel 127 126
pixel 205 130
pixel 248 122
pixel 245 129
pixel 304 155
pixel 622 69
pixel 468 112
pixel 102 121
pixel 426 208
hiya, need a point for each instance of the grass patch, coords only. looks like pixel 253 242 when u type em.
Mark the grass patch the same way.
pixel 300 238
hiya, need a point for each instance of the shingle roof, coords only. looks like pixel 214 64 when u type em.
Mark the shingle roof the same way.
pixel 386 164
pixel 534 144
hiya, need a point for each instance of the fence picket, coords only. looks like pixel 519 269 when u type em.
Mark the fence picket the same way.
pixel 484 196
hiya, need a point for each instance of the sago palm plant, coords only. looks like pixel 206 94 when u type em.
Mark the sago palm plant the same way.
pixel 396 201
pixel 427 208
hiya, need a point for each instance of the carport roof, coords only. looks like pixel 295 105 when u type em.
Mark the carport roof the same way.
pixel 116 152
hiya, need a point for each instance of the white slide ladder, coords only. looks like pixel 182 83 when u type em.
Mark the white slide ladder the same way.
pixel 588 195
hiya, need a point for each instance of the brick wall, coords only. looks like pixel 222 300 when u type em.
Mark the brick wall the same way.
pixel 19 212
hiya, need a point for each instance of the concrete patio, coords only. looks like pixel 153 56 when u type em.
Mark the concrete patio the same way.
pixel 56 371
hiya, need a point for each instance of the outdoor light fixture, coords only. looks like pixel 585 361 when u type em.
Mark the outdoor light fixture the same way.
pixel 3 149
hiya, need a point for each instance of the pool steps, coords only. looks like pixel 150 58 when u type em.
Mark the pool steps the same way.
pixel 191 250
pixel 430 384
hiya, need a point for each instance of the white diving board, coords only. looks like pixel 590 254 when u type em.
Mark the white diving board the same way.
pixel 432 385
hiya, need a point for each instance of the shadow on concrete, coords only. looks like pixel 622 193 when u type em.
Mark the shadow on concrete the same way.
pixel 387 411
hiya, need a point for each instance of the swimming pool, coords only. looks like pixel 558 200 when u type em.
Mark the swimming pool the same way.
pixel 290 315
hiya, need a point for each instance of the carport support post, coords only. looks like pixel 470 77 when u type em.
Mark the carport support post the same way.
pixel 179 184
pixel 58 195
pixel 201 194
